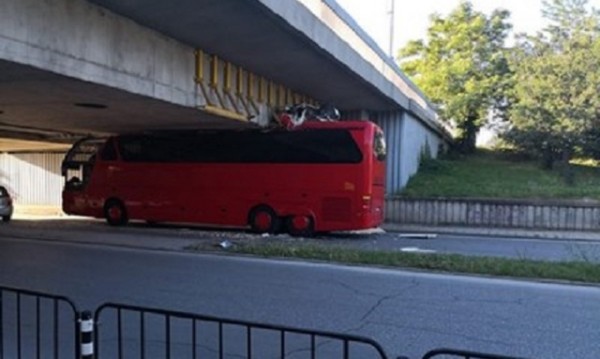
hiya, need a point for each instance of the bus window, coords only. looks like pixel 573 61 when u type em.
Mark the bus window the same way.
pixel 306 146
pixel 379 147
pixel 130 148
pixel 108 151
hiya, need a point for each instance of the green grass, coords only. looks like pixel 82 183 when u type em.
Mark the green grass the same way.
pixel 492 175
pixel 581 271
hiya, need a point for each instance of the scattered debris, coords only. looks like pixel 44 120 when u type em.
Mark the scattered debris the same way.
pixel 377 230
pixel 265 235
pixel 369 231
pixel 226 244
pixel 418 235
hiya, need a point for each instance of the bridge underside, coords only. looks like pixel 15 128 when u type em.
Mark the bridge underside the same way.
pixel 252 35
pixel 36 100
pixel 72 68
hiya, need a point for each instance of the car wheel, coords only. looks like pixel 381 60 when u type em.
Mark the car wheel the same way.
pixel 263 219
pixel 6 218
pixel 115 213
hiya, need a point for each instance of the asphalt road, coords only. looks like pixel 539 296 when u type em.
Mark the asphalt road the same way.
pixel 492 246
pixel 408 313
pixel 176 237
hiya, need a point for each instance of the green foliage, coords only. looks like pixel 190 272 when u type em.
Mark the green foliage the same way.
pixel 583 271
pixel 557 78
pixel 499 175
pixel 462 67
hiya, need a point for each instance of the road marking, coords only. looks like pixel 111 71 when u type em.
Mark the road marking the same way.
pixel 418 235
pixel 416 250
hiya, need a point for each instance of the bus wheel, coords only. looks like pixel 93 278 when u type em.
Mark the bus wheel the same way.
pixel 115 213
pixel 300 226
pixel 263 219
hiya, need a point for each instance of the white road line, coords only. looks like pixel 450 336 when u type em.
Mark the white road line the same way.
pixel 416 250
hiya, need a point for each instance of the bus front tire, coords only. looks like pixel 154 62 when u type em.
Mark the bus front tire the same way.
pixel 115 213
pixel 300 226
pixel 263 219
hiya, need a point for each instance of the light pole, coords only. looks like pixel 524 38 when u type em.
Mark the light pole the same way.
pixel 392 11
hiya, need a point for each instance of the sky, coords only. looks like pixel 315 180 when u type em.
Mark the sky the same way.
pixel 412 17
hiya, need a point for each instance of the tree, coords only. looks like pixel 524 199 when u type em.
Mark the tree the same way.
pixel 557 79
pixel 462 67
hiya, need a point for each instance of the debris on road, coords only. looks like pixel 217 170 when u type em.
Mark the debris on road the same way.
pixel 369 231
pixel 226 244
pixel 418 235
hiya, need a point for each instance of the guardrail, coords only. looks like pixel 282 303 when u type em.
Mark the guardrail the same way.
pixel 39 325
pixel 36 325
pixel 179 336
pixel 498 213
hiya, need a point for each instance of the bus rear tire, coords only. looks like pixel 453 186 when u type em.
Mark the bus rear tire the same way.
pixel 263 219
pixel 300 226
pixel 115 213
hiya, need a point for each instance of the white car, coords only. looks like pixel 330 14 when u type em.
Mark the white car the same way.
pixel 6 205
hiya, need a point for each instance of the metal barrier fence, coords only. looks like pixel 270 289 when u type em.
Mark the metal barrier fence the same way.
pixel 126 331
pixel 38 325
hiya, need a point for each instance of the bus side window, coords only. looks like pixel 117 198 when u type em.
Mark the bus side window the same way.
pixel 109 153
pixel 379 147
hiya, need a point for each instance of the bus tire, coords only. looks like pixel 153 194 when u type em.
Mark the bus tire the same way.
pixel 6 218
pixel 115 213
pixel 300 226
pixel 263 219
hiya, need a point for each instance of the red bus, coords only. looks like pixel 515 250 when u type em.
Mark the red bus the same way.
pixel 319 177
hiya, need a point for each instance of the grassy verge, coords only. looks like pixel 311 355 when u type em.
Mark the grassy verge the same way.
pixel 495 175
pixel 519 268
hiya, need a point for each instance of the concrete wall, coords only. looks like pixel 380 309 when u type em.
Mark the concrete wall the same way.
pixel 551 215
pixel 418 139
pixel 407 138
pixel 81 40
pixel 392 124
pixel 32 178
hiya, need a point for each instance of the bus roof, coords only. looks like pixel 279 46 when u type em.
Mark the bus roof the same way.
pixel 308 125
pixel 350 124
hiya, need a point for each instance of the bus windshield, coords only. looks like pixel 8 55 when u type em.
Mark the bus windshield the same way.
pixel 77 165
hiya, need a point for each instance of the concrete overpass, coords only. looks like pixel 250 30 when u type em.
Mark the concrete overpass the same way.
pixel 74 67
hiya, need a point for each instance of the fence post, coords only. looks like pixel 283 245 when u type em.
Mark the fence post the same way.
pixel 86 335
